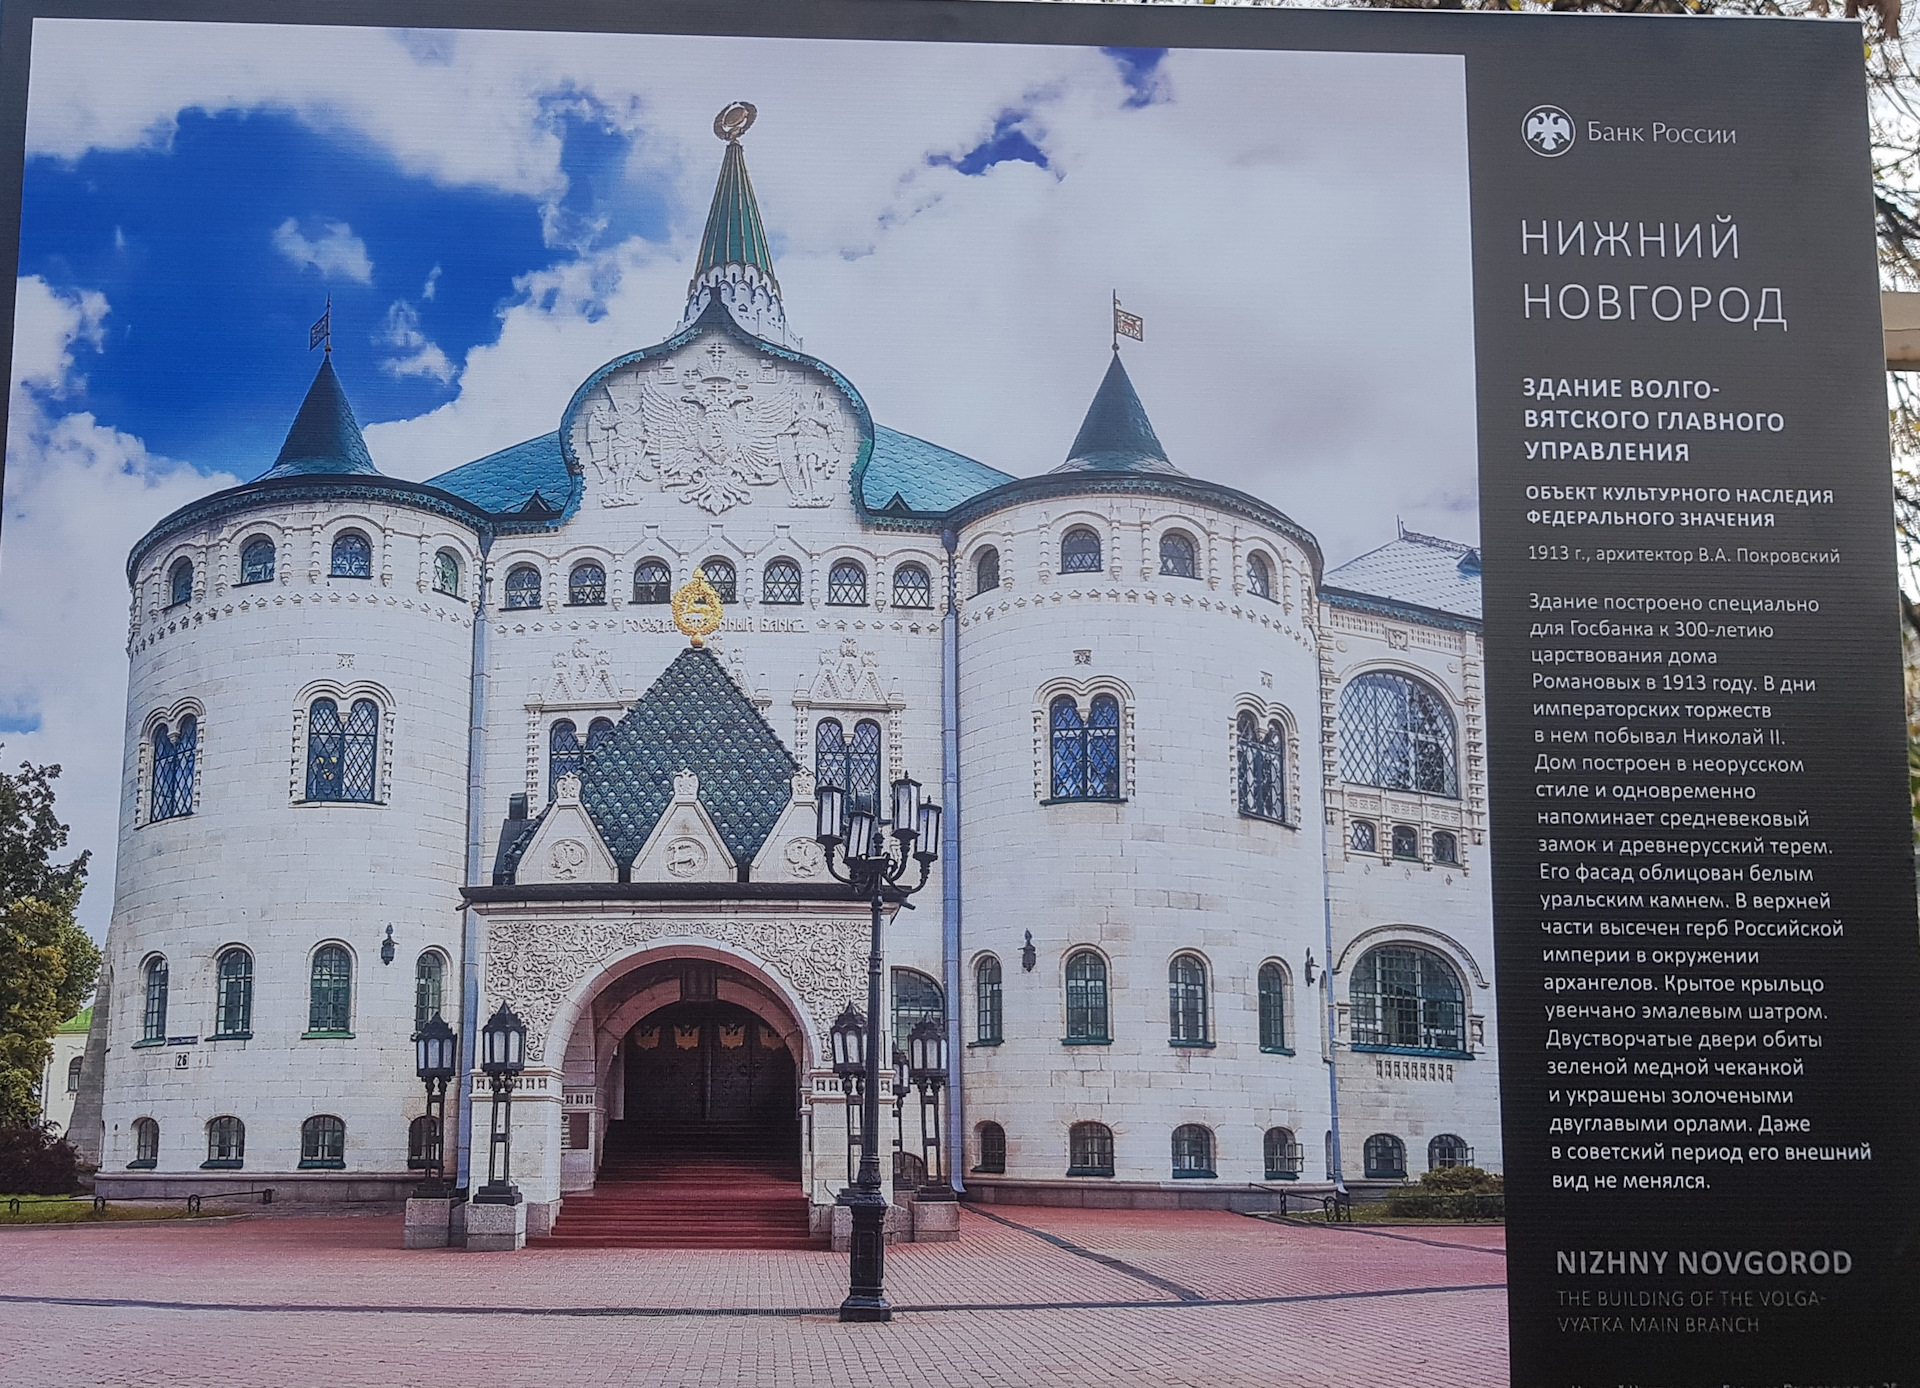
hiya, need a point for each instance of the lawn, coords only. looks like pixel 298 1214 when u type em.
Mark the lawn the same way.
pixel 78 1209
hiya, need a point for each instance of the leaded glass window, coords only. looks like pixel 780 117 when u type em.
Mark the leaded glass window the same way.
pixel 1284 1159
pixel 916 999
pixel 233 993
pixel 1178 556
pixel 912 587
pixel 323 1142
pixel 1385 1157
pixel 598 731
pixel 1446 847
pixel 846 585
pixel 226 1142
pixel 429 987
pixel 1090 1150
pixel 256 560
pixel 1273 1007
pixel 1192 1151
pixel 352 555
pixel 154 1022
pixel 721 574
pixel 343 758
pixel 1448 1149
pixel 1259 577
pixel 1087 997
pixel 587 585
pixel 1406 841
pixel 1262 758
pixel 1086 752
pixel 986 571
pixel 180 582
pixel 73 1074
pixel 1187 999
pixel 1407 995
pixel 987 999
pixel 1080 551
pixel 564 754
pixel 993 1150
pixel 146 1142
pixel 851 764
pixel 1362 837
pixel 1397 732
pixel 174 755
pixel 780 584
pixel 446 573
pixel 523 587
pixel 652 583
pixel 330 998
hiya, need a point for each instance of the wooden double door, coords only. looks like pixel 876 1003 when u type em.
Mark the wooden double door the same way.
pixel 693 1064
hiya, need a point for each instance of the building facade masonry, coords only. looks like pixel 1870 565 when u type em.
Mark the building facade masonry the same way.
pixel 1216 813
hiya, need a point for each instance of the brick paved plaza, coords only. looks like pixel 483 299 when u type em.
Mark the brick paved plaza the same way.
pixel 1030 1296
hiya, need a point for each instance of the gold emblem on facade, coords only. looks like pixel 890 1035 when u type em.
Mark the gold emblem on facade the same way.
pixel 733 120
pixel 696 609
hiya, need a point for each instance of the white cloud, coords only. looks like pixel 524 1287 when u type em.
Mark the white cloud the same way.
pixel 402 330
pixel 432 284
pixel 338 253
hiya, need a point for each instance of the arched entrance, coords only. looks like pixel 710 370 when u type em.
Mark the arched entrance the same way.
pixel 714 1077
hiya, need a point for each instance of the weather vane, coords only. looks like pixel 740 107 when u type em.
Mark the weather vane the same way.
pixel 696 609
pixel 734 120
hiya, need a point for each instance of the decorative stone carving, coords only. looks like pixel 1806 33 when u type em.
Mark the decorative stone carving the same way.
pixel 685 846
pixel 567 859
pixel 685 857
pixel 849 678
pixel 804 858
pixel 582 675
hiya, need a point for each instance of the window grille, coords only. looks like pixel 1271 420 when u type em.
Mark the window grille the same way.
pixel 173 761
pixel 780 584
pixel 993 1150
pixel 423 1144
pixel 721 574
pixel 1284 1159
pixel 1406 842
pixel 1177 555
pixel 1090 1150
pixel 1086 753
pixel 154 1022
pixel 598 731
pixel 1362 837
pixel 916 999
pixel 73 1074
pixel 1087 998
pixel 1397 733
pixel 226 1142
pixel 564 754
pixel 987 1000
pixel 1406 995
pixel 523 587
pixel 180 582
pixel 652 583
pixel 323 1142
pixel 429 987
pixel 986 571
pixel 342 758
pixel 1259 577
pixel 587 586
pixel 1446 847
pixel 1448 1149
pixel 352 555
pixel 233 995
pixel 446 573
pixel 1263 766
pixel 846 585
pixel 1273 1008
pixel 330 1007
pixel 1187 999
pixel 852 766
pixel 912 587
pixel 1080 551
pixel 1192 1151
pixel 1385 1158
pixel 256 560
pixel 146 1143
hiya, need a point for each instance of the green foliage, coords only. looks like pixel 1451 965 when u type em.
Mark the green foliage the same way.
pixel 34 1160
pixel 1460 1180
pixel 47 963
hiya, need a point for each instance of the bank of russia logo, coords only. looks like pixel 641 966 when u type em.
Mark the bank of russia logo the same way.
pixel 1548 131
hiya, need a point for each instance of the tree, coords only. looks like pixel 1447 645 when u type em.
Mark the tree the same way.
pixel 47 963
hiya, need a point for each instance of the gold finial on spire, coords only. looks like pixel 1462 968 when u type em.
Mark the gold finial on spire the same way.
pixel 696 609
pixel 734 120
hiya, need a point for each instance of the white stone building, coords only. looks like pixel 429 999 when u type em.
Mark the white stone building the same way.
pixel 400 747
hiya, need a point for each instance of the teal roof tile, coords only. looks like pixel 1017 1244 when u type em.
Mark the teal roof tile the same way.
pixel 325 437
pixel 528 482
pixel 734 234
pixel 910 474
pixel 1116 435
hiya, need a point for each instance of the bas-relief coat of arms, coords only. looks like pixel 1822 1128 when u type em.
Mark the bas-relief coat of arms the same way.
pixel 710 426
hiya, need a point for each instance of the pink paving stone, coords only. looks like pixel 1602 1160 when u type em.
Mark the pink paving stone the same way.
pixel 336 1301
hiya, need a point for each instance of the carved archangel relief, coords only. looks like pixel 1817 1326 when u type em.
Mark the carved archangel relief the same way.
pixel 711 425
pixel 582 675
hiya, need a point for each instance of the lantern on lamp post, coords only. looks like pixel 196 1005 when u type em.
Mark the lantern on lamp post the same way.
pixel 927 1066
pixel 435 1059
pixel 849 1066
pixel 503 1055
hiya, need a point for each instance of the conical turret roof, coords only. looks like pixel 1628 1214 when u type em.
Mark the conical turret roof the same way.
pixel 325 437
pixel 734 234
pixel 1116 435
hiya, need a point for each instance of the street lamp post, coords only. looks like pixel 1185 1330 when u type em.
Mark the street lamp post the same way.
pixel 927 1067
pixel 503 1055
pixel 435 1053
pixel 849 1065
pixel 874 857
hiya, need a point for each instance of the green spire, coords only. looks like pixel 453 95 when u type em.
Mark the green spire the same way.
pixel 325 437
pixel 735 269
pixel 1116 435
pixel 734 234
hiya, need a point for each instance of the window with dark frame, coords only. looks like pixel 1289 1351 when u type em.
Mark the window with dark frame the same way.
pixel 233 994
pixel 1187 1000
pixel 343 758
pixel 174 756
pixel 429 987
pixel 993 1150
pixel 986 571
pixel 1085 752
pixel 180 582
pixel 154 1020
pixel 446 573
pixel 987 1001
pixel 1192 1151
pixel 257 561
pixel 780 584
pixel 1086 979
pixel 846 584
pixel 587 585
pixel 146 1144
pixel 652 583
pixel 352 556
pixel 1410 998
pixel 1406 842
pixel 1259 577
pixel 851 764
pixel 226 1143
pixel 1397 733
pixel 722 576
pixel 323 1143
pixel 564 754
pixel 523 588
pixel 1090 1150
pixel 912 587
pixel 1080 551
pixel 1262 759
pixel 1273 1007
pixel 1448 1150
pixel 1384 1157
pixel 1179 558
pixel 1446 847
pixel 1283 1158
pixel 1362 837
pixel 330 992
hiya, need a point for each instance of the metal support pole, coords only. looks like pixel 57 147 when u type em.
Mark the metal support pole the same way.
pixel 867 1262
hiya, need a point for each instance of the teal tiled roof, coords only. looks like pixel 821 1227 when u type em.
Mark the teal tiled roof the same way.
pixel 528 482
pixel 907 474
pixel 1417 570
pixel 1116 435
pixel 734 235
pixel 325 437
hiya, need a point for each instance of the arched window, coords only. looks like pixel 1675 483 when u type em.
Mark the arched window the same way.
pixel 429 987
pixel 1448 1149
pixel 1446 847
pixel 1090 1150
pixel 986 571
pixel 780 584
pixel 721 574
pixel 1080 551
pixel 146 1145
pixel 1086 752
pixel 1262 757
pixel 330 997
pixel 180 582
pixel 1406 842
pixel 853 766
pixel 173 761
pixel 446 573
pixel 1273 1007
pixel 153 1022
pixel 563 754
pixel 1259 576
pixel 343 758
pixel 912 587
pixel 73 1074
pixel 587 585
pixel 352 555
pixel 233 994
pixel 916 999
pixel 256 560
pixel 1397 733
pixel 986 994
pixel 423 1144
pixel 1087 998
pixel 1409 996
pixel 226 1144
pixel 1192 1152
pixel 1385 1158
pixel 323 1143
pixel 1178 555
pixel 846 584
pixel 1187 1000
pixel 523 587
pixel 993 1150
pixel 1362 837
pixel 652 583
pixel 598 731
pixel 1284 1159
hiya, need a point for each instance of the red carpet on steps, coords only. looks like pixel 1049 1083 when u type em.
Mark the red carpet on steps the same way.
pixel 694 1186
